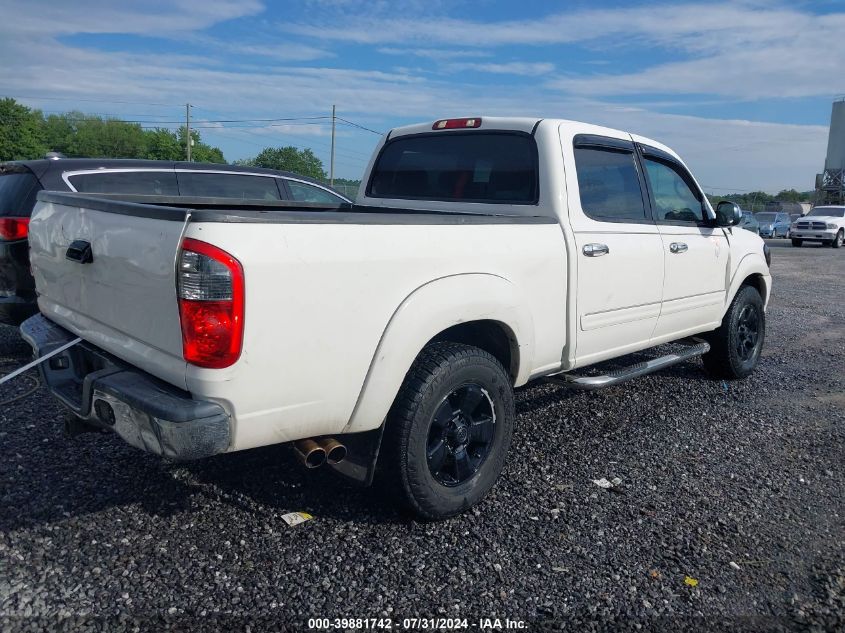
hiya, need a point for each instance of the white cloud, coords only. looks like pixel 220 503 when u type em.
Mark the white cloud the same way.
pixel 723 48
pixel 529 69
pixel 434 53
pixel 150 17
pixel 288 52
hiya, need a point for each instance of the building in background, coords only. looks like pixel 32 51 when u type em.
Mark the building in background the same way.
pixel 830 185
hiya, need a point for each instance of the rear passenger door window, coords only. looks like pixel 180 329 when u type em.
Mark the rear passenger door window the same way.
pixel 673 195
pixel 609 185
pixel 238 186
pixel 302 192
pixel 161 183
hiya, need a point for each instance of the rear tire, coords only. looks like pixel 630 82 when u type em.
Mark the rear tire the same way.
pixel 796 242
pixel 736 346
pixel 449 429
pixel 837 241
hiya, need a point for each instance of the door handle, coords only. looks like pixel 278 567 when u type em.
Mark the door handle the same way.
pixel 678 247
pixel 595 250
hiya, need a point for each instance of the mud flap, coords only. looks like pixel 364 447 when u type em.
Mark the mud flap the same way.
pixel 361 456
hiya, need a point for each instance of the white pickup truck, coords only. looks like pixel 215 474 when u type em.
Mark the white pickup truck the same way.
pixel 480 254
pixel 824 224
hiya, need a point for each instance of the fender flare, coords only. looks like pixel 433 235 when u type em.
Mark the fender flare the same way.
pixel 427 311
pixel 750 264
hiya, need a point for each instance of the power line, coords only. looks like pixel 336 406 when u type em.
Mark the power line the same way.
pixel 347 154
pixel 163 105
pixel 359 163
pixel 243 120
pixel 361 127
pixel 85 116
pixel 358 155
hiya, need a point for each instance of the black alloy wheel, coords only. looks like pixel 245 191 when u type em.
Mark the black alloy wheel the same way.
pixel 747 332
pixel 736 346
pixel 448 431
pixel 460 435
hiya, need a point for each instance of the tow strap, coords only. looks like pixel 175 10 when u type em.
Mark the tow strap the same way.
pixel 40 360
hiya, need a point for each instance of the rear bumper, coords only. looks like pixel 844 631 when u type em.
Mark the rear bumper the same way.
pixel 146 412
pixel 17 288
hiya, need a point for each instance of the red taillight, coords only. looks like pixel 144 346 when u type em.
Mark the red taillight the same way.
pixel 13 228
pixel 211 305
pixel 456 124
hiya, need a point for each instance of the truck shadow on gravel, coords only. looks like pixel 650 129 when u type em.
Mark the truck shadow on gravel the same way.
pixel 267 482
pixel 56 479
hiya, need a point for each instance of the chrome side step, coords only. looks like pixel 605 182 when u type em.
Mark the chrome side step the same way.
pixel 591 383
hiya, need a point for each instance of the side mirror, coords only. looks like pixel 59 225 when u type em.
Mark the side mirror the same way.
pixel 728 213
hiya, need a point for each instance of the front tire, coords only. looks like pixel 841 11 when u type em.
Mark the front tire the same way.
pixel 837 241
pixel 796 242
pixel 736 346
pixel 449 429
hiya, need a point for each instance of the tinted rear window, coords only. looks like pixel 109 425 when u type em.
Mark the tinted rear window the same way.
pixel 161 183
pixel 243 187
pixel 471 167
pixel 17 194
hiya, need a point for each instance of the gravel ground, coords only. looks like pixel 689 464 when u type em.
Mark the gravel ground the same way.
pixel 735 488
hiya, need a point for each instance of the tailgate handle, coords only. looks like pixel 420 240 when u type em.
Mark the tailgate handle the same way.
pixel 80 251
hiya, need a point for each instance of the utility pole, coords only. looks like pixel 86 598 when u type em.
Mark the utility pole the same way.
pixel 331 165
pixel 188 127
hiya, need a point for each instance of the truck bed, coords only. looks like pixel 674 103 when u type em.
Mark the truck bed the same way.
pixel 326 290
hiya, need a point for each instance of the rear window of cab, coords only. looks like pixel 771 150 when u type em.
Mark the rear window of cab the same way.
pixel 489 167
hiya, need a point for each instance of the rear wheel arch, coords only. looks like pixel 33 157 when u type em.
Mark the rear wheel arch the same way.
pixel 478 309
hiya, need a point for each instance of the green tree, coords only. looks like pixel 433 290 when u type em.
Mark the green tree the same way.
pixel 346 182
pixel 200 152
pixel 751 201
pixel 89 136
pixel 298 161
pixel 790 195
pixel 163 144
pixel 21 133
pixel 59 133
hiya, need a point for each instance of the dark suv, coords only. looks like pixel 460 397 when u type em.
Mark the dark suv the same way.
pixel 20 182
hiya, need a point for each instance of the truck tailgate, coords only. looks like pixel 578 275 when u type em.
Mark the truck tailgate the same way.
pixel 124 299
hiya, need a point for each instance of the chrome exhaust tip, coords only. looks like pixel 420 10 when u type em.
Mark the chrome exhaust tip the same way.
pixel 311 454
pixel 335 451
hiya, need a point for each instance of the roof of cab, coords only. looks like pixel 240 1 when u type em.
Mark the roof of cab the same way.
pixel 521 124
pixel 78 164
